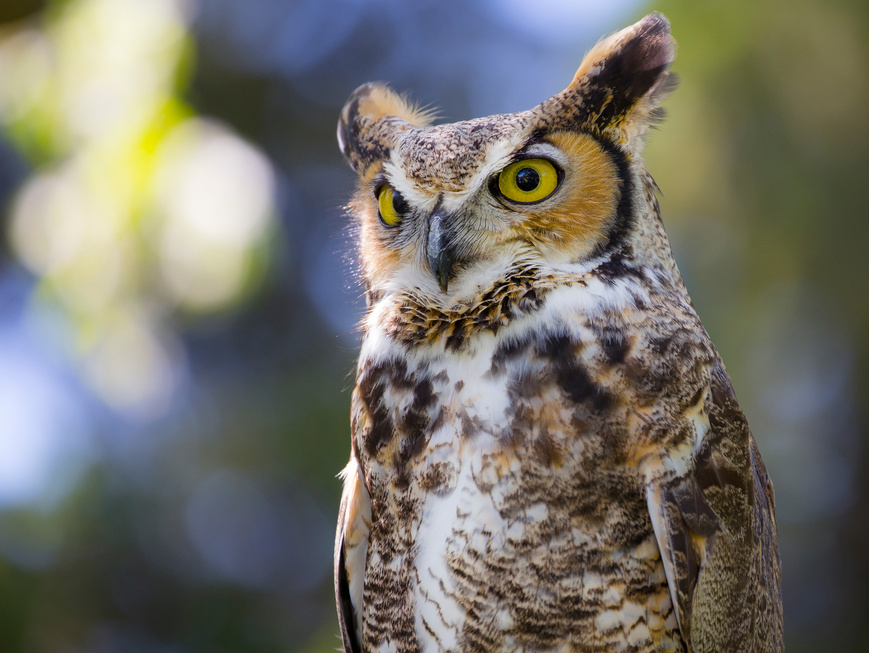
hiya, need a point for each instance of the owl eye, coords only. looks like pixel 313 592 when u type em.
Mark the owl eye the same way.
pixel 528 181
pixel 391 205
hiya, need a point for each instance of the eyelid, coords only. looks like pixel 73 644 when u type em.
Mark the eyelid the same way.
pixel 542 150
pixel 380 180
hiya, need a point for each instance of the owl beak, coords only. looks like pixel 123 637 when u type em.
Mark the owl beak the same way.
pixel 441 256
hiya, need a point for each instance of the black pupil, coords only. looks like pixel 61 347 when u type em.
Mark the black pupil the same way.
pixel 399 203
pixel 527 179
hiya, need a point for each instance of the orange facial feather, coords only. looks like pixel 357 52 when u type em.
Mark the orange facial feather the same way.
pixel 584 208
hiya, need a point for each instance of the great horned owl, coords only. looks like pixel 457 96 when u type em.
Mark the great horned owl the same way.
pixel 547 454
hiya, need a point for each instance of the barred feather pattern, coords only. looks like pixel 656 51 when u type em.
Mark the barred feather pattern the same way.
pixel 551 457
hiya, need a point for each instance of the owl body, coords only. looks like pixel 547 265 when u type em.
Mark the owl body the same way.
pixel 547 452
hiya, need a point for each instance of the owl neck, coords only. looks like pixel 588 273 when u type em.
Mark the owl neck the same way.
pixel 412 319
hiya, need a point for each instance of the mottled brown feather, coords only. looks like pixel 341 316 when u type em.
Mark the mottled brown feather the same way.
pixel 548 454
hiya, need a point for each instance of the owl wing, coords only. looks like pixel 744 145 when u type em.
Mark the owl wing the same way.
pixel 717 534
pixel 351 545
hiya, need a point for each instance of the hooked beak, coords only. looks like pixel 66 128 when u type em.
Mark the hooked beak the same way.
pixel 439 249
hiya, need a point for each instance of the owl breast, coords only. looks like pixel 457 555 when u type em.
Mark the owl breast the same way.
pixel 506 481
pixel 548 454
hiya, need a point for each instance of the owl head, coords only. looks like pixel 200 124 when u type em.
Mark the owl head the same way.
pixel 447 209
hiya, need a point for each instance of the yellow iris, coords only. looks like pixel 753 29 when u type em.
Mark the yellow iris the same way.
pixel 386 201
pixel 528 181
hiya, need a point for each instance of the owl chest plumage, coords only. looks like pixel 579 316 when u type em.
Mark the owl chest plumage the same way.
pixel 547 451
pixel 506 476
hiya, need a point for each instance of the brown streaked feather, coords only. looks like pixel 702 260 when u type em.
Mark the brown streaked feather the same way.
pixel 619 84
pixel 370 119
pixel 548 455
pixel 716 530
pixel 520 292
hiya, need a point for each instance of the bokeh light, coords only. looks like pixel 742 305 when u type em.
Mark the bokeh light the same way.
pixel 138 207
pixel 215 197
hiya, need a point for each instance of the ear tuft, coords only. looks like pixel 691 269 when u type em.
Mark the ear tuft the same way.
pixel 620 83
pixel 371 117
pixel 635 63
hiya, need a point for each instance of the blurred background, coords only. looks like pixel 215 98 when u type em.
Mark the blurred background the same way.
pixel 178 303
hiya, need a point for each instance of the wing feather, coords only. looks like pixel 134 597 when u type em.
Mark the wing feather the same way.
pixel 351 544
pixel 716 531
